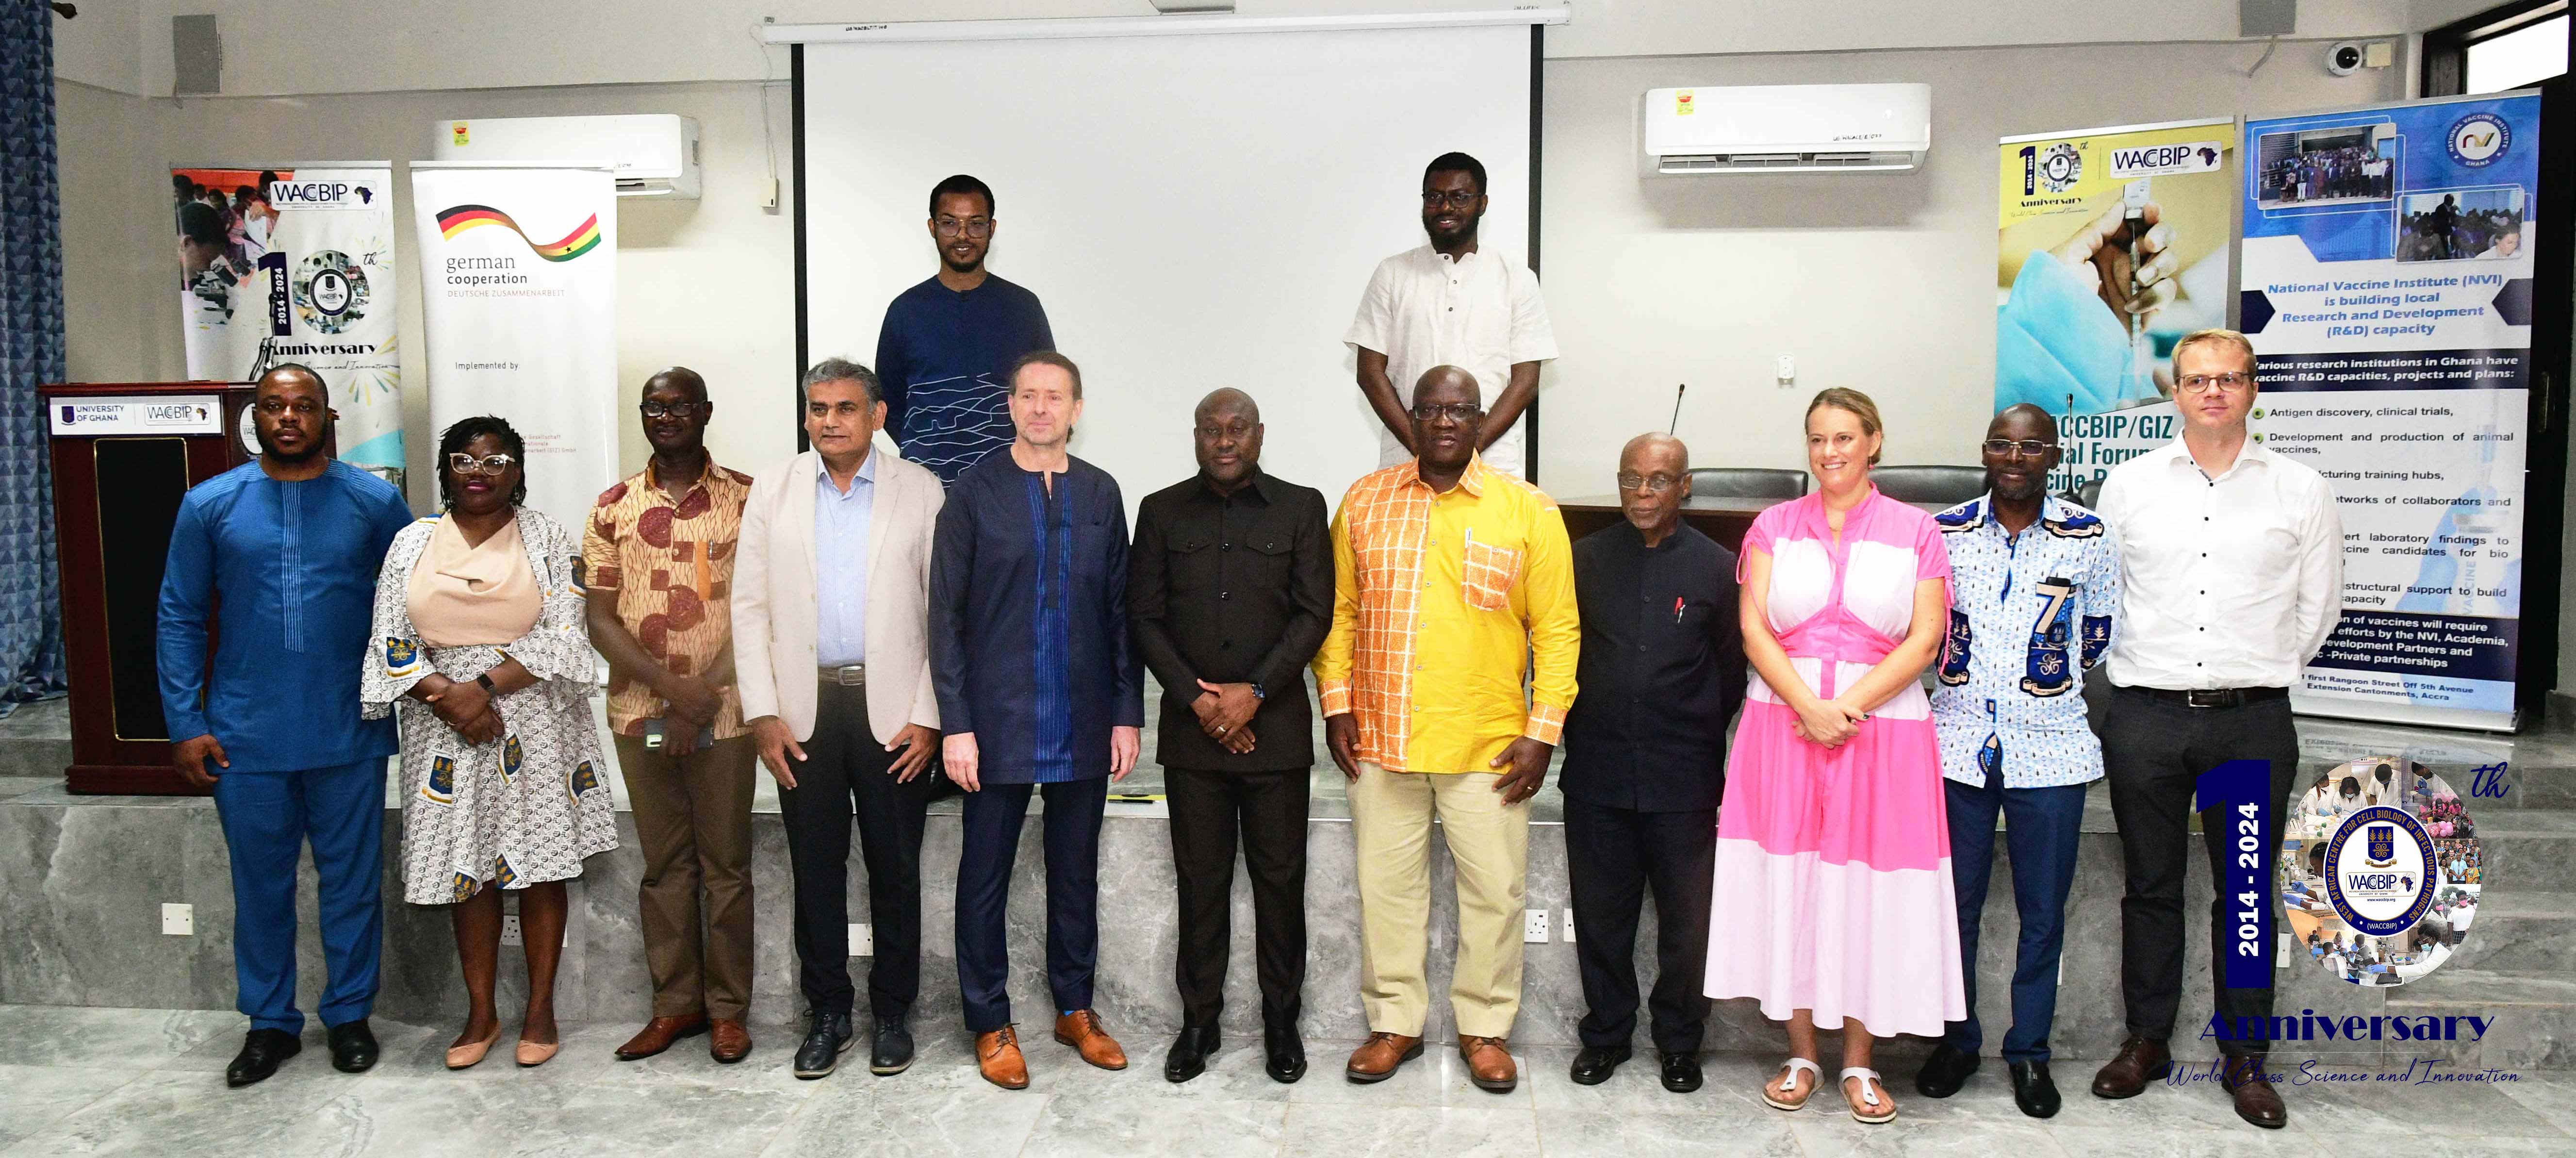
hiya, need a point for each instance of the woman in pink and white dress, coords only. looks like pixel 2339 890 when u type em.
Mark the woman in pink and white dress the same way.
pixel 1832 900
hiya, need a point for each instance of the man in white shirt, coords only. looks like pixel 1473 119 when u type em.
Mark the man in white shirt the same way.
pixel 1452 303
pixel 2232 560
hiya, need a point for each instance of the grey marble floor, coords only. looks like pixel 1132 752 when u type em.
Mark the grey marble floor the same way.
pixel 131 1081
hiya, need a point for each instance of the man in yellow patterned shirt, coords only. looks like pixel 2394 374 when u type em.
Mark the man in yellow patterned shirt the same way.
pixel 1453 585
pixel 659 551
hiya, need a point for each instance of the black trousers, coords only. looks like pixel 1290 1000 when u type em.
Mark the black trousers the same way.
pixel 2153 752
pixel 991 845
pixel 1266 812
pixel 1612 855
pixel 845 772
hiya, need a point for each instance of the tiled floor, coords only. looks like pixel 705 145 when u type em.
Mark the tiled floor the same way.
pixel 132 1081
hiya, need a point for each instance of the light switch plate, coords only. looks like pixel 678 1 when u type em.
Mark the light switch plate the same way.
pixel 179 920
pixel 1534 926
pixel 1788 370
pixel 863 941
pixel 1569 926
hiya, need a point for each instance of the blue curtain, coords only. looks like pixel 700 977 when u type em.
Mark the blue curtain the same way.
pixel 31 353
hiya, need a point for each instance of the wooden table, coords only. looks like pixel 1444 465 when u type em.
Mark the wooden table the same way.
pixel 1723 518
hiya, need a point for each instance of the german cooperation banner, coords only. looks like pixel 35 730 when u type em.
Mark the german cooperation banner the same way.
pixel 296 264
pixel 2387 288
pixel 519 294
pixel 2112 245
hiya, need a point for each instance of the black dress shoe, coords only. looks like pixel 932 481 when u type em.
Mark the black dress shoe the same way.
pixel 827 1035
pixel 1190 1050
pixel 2256 1099
pixel 261 1050
pixel 890 1051
pixel 1945 1071
pixel 1681 1071
pixel 1593 1064
pixel 2032 1089
pixel 1286 1055
pixel 353 1047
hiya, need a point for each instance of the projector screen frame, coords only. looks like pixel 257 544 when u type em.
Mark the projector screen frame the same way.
pixel 796 37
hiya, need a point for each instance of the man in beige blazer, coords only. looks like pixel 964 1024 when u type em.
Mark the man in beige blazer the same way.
pixel 830 589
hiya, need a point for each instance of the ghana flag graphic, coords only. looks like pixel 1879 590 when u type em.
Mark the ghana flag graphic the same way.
pixel 583 238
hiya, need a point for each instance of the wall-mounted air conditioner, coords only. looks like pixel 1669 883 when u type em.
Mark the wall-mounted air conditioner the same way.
pixel 1790 128
pixel 653 154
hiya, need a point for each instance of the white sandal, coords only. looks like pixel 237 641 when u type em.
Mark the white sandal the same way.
pixel 1777 1096
pixel 1868 1096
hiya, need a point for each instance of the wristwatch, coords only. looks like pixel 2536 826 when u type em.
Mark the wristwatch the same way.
pixel 1258 694
pixel 485 682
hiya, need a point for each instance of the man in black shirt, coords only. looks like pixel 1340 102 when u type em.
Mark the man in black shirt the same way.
pixel 1229 593
pixel 1662 672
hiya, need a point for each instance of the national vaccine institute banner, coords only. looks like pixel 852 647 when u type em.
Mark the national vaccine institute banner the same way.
pixel 296 264
pixel 2111 246
pixel 519 293
pixel 2387 288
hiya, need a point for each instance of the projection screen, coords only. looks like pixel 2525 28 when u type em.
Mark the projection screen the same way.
pixel 1195 211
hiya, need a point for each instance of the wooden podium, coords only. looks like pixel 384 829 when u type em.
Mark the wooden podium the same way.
pixel 123 454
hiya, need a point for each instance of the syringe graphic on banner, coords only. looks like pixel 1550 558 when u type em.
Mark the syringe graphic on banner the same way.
pixel 2141 384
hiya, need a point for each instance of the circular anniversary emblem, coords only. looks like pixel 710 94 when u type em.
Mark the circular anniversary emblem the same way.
pixel 330 291
pixel 2380 874
pixel 2478 139
pixel 2060 167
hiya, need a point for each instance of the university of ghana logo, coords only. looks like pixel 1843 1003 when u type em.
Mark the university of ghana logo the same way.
pixel 2060 167
pixel 330 291
pixel 2477 139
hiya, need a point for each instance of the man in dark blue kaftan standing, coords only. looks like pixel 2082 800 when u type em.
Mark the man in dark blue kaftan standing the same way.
pixel 1039 690
pixel 278 557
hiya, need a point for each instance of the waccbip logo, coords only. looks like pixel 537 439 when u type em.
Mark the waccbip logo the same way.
pixel 584 237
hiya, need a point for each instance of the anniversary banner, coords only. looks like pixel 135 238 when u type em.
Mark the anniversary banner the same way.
pixel 296 264
pixel 2387 288
pixel 2112 245
pixel 519 294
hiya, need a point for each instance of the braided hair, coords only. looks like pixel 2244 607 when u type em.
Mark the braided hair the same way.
pixel 453 440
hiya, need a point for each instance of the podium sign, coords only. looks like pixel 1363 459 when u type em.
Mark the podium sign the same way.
pixel 123 455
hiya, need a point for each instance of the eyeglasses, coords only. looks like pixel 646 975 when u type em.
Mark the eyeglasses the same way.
pixel 2230 382
pixel 971 227
pixel 2028 447
pixel 276 406
pixel 1653 484
pixel 488 464
pixel 1456 411
pixel 1435 199
pixel 671 409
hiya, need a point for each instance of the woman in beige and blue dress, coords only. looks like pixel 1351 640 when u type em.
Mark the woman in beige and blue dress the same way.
pixel 480 637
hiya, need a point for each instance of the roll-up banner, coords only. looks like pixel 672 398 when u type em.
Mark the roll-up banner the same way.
pixel 2387 289
pixel 519 296
pixel 295 263
pixel 2111 246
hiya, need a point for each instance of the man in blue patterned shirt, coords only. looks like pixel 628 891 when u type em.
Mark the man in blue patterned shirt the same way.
pixel 2035 581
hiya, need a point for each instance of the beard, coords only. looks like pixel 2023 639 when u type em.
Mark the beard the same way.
pixel 267 449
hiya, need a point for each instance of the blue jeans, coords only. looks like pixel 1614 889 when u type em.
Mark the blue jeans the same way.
pixel 2040 835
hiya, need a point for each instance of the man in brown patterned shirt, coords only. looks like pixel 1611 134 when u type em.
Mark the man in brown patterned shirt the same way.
pixel 659 550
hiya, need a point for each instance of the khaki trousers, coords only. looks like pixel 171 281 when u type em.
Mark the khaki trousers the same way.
pixel 693 817
pixel 1391 814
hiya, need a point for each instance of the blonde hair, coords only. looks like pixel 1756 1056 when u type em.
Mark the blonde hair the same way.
pixel 1854 403
pixel 2221 336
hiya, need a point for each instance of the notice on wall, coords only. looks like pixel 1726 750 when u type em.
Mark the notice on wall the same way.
pixel 296 264
pixel 2387 289
pixel 519 294
pixel 2112 245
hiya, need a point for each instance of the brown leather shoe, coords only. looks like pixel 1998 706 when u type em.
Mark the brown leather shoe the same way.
pixel 728 1041
pixel 997 1055
pixel 1489 1063
pixel 2141 1060
pixel 1081 1030
pixel 2257 1099
pixel 1376 1059
pixel 658 1034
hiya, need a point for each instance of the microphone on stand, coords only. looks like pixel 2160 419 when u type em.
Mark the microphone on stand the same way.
pixel 1677 408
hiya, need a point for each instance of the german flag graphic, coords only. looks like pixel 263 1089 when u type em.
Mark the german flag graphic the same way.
pixel 583 238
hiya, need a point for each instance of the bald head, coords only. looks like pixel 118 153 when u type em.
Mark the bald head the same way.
pixel 1657 448
pixel 1449 380
pixel 679 378
pixel 2022 420
pixel 1654 478
pixel 1228 402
